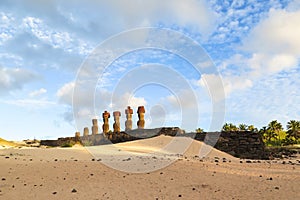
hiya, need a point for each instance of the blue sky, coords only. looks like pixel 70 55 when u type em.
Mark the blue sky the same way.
pixel 46 47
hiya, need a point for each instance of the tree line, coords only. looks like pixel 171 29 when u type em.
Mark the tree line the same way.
pixel 273 134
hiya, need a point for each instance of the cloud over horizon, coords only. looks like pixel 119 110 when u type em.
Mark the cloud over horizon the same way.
pixel 255 46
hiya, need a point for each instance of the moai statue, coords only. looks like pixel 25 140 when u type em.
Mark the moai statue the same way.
pixel 116 125
pixel 105 126
pixel 141 115
pixel 77 134
pixel 128 122
pixel 95 127
pixel 86 131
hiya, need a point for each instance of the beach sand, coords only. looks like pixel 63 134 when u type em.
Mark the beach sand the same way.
pixel 161 172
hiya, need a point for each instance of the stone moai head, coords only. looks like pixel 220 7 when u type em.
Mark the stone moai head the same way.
pixel 117 114
pixel 128 111
pixel 106 115
pixel 141 115
pixel 77 134
pixel 95 122
pixel 141 110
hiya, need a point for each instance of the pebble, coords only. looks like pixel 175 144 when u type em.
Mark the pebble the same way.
pixel 74 190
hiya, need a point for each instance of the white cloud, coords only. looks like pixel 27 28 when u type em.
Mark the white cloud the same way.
pixel 215 86
pixel 271 97
pixel 7 29
pixel 12 79
pixel 262 63
pixel 55 38
pixel 272 46
pixel 277 34
pixel 38 92
pixel 136 13
pixel 274 43
pixel 184 99
pixel 65 93
pixel 30 103
pixel 90 102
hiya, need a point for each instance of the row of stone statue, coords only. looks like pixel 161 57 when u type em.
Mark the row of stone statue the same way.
pixel 116 125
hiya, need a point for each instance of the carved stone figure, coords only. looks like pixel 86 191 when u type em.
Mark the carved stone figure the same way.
pixel 77 134
pixel 95 127
pixel 105 126
pixel 128 122
pixel 141 115
pixel 116 124
pixel 85 131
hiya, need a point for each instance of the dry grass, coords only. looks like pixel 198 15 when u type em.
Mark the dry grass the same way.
pixel 6 143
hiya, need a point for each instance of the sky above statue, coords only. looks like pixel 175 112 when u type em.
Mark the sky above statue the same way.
pixel 47 49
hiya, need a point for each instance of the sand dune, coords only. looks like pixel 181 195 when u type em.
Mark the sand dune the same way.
pixel 173 145
pixel 157 153
pixel 162 173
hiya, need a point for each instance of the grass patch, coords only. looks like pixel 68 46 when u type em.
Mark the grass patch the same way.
pixel 67 144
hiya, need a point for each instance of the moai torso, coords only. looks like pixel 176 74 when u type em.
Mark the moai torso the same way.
pixel 116 125
pixel 141 115
pixel 86 131
pixel 105 126
pixel 95 127
pixel 128 122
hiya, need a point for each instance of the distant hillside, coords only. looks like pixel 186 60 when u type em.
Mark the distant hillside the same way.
pixel 6 143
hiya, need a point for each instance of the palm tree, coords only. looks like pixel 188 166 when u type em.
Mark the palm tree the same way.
pixel 252 128
pixel 293 129
pixel 229 127
pixel 275 127
pixel 243 127
pixel 199 130
pixel 226 127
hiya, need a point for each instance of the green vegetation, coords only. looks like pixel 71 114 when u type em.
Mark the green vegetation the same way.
pixel 87 143
pixel 199 130
pixel 240 127
pixel 273 134
pixel 68 144
pixel 293 131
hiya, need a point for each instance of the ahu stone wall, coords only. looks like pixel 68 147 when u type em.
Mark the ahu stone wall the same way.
pixel 241 144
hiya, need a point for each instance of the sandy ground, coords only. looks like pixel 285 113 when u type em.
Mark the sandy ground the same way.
pixel 153 168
